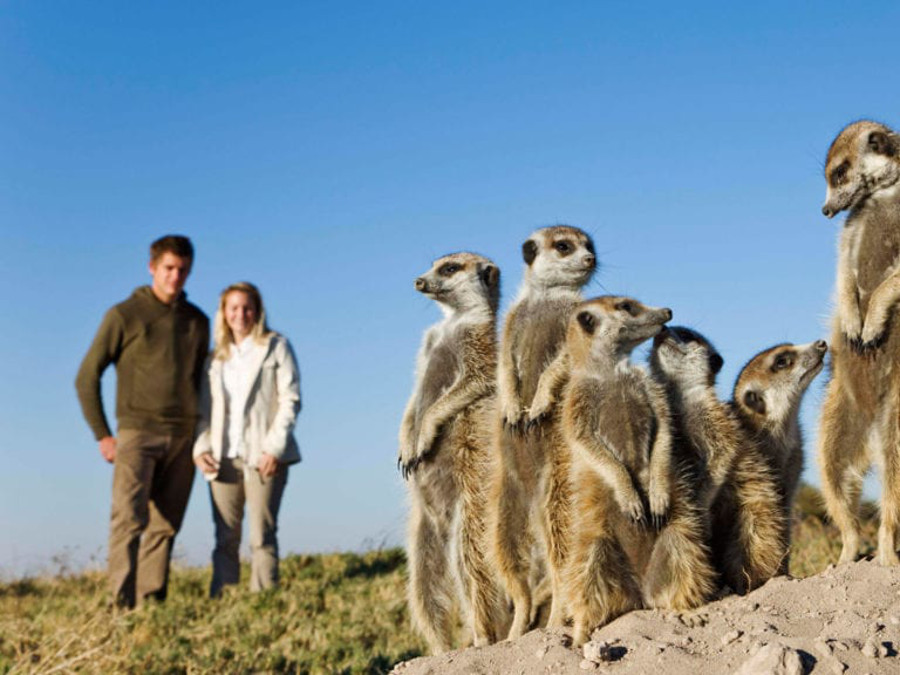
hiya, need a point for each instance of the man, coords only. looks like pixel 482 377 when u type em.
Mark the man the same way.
pixel 158 342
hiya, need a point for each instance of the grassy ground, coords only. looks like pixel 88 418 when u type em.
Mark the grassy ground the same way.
pixel 336 613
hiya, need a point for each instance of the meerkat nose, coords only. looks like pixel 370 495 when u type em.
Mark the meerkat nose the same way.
pixel 821 345
pixel 590 260
pixel 827 212
pixel 420 284
pixel 668 313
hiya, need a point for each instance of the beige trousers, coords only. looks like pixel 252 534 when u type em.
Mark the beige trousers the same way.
pixel 229 491
pixel 152 478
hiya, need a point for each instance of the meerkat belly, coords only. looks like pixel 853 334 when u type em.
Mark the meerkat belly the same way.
pixel 879 248
pixel 540 338
pixel 626 425
pixel 440 374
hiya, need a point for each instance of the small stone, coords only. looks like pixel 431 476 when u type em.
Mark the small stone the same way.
pixel 823 648
pixel 838 667
pixel 876 627
pixel 884 649
pixel 754 607
pixel 773 659
pixel 598 652
pixel 542 652
pixel 731 636
pixel 870 649
pixel 895 620
pixel 837 644
pixel 587 665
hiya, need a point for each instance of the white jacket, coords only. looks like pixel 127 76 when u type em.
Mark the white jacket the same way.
pixel 269 415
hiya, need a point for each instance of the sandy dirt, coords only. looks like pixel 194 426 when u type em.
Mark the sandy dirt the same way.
pixel 844 620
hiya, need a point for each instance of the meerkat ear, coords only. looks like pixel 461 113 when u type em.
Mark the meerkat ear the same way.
pixel 529 251
pixel 716 362
pixel 882 143
pixel 755 402
pixel 490 275
pixel 587 322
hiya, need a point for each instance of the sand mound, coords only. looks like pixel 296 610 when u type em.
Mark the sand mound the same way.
pixel 846 619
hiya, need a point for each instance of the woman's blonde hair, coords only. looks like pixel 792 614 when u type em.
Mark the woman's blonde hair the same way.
pixel 222 337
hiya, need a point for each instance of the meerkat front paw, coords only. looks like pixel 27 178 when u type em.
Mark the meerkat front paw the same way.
pixel 632 506
pixel 513 413
pixel 873 333
pixel 659 505
pixel 407 460
pixel 539 409
pixel 851 327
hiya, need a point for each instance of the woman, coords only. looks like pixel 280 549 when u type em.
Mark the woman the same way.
pixel 249 403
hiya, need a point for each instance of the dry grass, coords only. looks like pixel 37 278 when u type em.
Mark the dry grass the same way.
pixel 336 613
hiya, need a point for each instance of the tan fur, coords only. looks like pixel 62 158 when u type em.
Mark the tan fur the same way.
pixel 617 423
pixel 766 401
pixel 859 422
pixel 445 444
pixel 735 481
pixel 530 495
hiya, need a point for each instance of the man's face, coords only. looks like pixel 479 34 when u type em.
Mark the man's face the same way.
pixel 169 272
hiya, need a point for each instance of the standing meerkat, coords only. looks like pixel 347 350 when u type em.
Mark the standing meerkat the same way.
pixel 766 400
pixel 737 486
pixel 445 444
pixel 531 481
pixel 859 421
pixel 639 535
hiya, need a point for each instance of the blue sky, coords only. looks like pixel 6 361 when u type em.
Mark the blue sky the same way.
pixel 329 151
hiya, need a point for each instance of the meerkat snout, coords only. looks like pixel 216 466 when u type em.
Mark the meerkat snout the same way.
pixel 421 285
pixel 827 211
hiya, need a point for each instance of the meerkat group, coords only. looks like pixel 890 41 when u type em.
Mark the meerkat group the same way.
pixel 553 481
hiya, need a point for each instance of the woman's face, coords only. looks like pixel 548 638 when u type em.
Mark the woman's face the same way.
pixel 240 314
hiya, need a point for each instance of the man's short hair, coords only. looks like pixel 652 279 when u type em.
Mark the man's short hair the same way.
pixel 172 243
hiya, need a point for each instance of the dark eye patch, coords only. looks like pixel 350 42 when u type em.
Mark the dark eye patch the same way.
pixel 564 247
pixel 839 175
pixel 782 361
pixel 589 245
pixel 448 269
pixel 629 307
pixel 587 322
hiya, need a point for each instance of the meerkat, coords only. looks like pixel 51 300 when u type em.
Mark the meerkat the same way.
pixel 766 400
pixel 736 484
pixel 531 481
pixel 858 424
pixel 445 444
pixel 639 537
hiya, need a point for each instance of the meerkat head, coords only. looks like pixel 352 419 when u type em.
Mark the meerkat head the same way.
pixel 769 388
pixel 685 358
pixel 559 256
pixel 863 159
pixel 612 326
pixel 462 281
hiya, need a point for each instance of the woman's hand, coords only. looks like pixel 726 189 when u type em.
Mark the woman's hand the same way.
pixel 206 463
pixel 267 465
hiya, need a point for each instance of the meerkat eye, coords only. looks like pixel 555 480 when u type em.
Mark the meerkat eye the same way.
pixel 782 361
pixel 448 269
pixel 627 307
pixel 564 247
pixel 840 173
pixel 589 245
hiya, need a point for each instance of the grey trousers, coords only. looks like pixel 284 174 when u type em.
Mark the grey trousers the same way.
pixel 229 492
pixel 152 478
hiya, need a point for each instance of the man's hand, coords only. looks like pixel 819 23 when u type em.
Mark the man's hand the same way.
pixel 206 463
pixel 267 465
pixel 108 448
